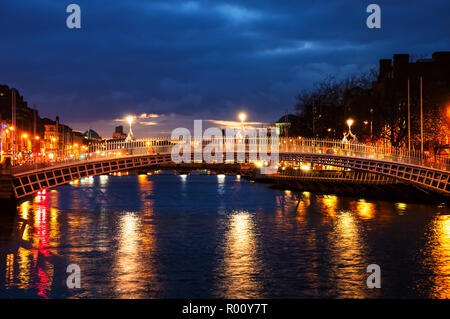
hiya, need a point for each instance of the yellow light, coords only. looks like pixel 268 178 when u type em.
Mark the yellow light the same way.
pixel 242 117
pixel 130 119
pixel 305 167
pixel 76 145
pixel 11 128
pixel 37 137
pixel 349 122
pixel 53 139
pixel 24 135
pixel 258 163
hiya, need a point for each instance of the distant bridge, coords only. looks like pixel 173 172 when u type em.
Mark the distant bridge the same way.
pixel 428 172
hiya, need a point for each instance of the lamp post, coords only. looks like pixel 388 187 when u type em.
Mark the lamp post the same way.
pixel 242 117
pixel 421 120
pixel 350 123
pixel 130 133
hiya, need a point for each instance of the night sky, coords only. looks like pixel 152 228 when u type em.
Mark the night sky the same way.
pixel 170 62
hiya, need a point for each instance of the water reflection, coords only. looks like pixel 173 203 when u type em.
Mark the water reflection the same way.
pixel 439 261
pixel 241 265
pixel 348 260
pixel 126 272
pixel 330 203
pixel 401 208
pixel 254 242
pixel 365 210
pixel 29 264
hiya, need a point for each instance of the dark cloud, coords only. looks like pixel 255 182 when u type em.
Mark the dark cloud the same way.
pixel 199 59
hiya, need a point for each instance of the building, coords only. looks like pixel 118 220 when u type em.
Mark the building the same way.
pixel 284 124
pixel 59 138
pixel 119 133
pixel 19 125
pixel 435 69
pixel 401 74
pixel 24 134
pixel 25 117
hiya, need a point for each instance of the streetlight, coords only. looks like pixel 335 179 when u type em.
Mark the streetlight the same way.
pixel 242 117
pixel 130 120
pixel 350 123
pixel 130 133
pixel 22 144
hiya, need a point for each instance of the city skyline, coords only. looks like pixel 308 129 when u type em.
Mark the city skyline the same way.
pixel 231 56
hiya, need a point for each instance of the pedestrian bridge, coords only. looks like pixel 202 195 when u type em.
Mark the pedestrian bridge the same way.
pixel 429 173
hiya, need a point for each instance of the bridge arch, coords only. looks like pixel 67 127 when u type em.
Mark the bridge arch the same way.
pixel 429 178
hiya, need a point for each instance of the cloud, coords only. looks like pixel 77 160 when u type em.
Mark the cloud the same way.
pixel 198 59
pixel 148 116
pixel 236 123
pixel 148 123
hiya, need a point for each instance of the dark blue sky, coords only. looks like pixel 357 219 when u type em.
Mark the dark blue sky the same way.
pixel 185 60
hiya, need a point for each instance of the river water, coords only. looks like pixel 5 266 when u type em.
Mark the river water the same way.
pixel 207 236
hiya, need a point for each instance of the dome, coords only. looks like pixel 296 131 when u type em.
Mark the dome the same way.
pixel 91 134
pixel 290 119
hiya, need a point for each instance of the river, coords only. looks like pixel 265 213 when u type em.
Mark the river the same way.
pixel 207 236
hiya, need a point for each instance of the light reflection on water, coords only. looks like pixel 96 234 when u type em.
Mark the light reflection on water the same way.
pixel 438 247
pixel 219 236
pixel 240 265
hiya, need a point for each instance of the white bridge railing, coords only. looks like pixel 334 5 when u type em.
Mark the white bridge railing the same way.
pixel 117 149
pixel 368 151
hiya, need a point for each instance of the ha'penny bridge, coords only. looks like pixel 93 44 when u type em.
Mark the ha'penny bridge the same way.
pixel 368 163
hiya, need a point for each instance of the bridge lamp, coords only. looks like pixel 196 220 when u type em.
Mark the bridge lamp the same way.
pixel 305 167
pixel 130 133
pixel 130 120
pixel 350 123
pixel 242 117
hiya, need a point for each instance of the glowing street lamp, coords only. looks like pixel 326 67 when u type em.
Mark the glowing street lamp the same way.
pixel 349 123
pixel 242 117
pixel 130 120
pixel 130 133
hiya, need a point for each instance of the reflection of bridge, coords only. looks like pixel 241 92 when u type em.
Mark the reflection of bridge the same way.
pixel 430 172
